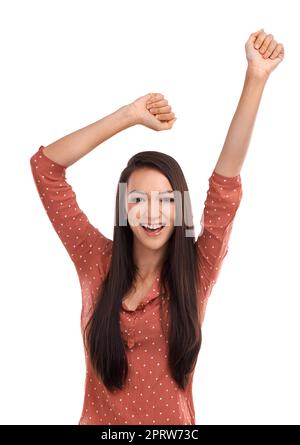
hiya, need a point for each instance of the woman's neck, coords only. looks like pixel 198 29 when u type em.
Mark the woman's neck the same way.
pixel 149 262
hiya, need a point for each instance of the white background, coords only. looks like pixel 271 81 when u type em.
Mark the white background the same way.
pixel 66 64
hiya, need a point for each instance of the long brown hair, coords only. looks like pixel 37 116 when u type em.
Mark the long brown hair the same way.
pixel 179 275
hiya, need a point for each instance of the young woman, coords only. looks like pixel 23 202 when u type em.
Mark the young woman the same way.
pixel 144 293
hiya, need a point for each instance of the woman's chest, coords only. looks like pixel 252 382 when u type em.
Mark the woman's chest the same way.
pixel 145 326
pixel 140 294
pixel 132 299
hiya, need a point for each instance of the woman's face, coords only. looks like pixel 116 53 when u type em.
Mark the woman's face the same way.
pixel 150 201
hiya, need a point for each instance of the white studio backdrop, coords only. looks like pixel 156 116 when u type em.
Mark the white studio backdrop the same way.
pixel 67 64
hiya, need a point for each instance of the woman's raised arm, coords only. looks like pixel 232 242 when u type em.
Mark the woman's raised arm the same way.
pixel 80 237
pixel 225 187
pixel 263 55
pixel 69 149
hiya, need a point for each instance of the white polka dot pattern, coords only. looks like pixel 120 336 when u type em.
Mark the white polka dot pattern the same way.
pixel 150 395
pixel 223 199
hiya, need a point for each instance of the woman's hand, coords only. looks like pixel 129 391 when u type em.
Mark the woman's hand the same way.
pixel 263 53
pixel 153 111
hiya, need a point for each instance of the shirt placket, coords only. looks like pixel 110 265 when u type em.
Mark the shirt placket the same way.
pixel 131 330
pixel 132 315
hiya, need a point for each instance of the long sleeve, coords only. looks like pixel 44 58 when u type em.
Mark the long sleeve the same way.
pixel 223 199
pixel 81 239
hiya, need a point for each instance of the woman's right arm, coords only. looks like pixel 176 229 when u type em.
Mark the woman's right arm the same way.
pixel 69 149
pixel 81 239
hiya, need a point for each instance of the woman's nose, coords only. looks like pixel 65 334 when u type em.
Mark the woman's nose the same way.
pixel 152 211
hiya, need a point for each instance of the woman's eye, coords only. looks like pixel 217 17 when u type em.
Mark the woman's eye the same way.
pixel 136 199
pixel 168 199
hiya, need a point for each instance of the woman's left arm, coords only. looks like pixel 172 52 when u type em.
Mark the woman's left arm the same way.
pixel 263 55
pixel 225 188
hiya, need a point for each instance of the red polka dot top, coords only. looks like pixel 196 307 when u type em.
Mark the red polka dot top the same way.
pixel 150 396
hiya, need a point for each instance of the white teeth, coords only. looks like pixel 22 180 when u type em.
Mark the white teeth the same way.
pixel 152 226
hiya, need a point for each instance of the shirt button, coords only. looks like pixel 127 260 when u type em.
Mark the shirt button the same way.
pixel 130 342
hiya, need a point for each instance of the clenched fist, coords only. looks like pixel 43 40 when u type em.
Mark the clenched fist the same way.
pixel 263 53
pixel 152 111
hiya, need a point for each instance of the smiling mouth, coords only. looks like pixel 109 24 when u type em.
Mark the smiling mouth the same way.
pixel 153 230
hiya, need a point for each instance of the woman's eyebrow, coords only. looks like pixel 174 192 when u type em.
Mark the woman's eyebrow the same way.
pixel 144 193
